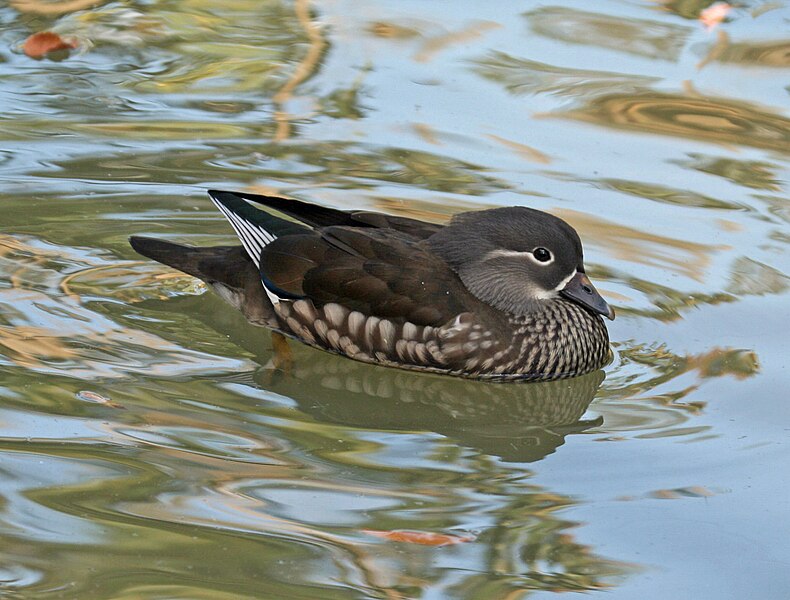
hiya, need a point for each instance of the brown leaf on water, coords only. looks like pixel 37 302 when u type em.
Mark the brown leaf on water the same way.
pixel 42 43
pixel 695 491
pixel 527 152
pixel 423 538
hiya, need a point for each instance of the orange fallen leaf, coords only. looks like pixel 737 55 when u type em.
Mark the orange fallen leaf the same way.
pixel 42 43
pixel 714 14
pixel 423 538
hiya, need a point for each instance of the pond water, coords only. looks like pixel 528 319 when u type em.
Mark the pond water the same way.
pixel 150 446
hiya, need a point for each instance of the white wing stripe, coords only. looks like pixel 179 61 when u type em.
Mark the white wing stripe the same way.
pixel 257 234
pixel 253 238
pixel 251 244
pixel 247 233
pixel 263 236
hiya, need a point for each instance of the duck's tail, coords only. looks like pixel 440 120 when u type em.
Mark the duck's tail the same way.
pixel 226 269
pixel 215 264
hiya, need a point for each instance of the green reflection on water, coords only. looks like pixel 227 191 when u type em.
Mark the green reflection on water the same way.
pixel 634 36
pixel 748 173
pixel 523 76
pixel 341 165
pixel 709 119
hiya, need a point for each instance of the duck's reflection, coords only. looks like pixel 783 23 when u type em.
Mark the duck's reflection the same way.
pixel 519 422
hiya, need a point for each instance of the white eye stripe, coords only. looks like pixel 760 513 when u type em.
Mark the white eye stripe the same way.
pixel 516 254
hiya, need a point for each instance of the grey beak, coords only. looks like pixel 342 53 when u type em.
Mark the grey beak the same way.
pixel 580 289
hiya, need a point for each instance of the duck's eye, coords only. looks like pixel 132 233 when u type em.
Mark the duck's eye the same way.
pixel 541 255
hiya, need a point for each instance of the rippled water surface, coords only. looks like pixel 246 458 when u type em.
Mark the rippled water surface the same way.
pixel 152 447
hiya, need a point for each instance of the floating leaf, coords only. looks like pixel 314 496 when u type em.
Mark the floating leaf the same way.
pixel 695 491
pixel 423 538
pixel 42 43
pixel 89 396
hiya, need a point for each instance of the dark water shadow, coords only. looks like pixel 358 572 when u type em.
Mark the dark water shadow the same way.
pixel 516 422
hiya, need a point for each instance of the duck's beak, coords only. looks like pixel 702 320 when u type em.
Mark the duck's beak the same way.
pixel 580 289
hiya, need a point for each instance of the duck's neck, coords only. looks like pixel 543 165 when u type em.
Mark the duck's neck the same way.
pixel 560 340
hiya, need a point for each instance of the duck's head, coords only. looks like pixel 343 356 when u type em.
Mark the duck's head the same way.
pixel 518 259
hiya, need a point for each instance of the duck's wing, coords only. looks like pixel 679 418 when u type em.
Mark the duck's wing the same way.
pixel 321 216
pixel 377 272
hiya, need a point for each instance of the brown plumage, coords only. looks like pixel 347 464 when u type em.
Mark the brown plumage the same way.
pixel 498 294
